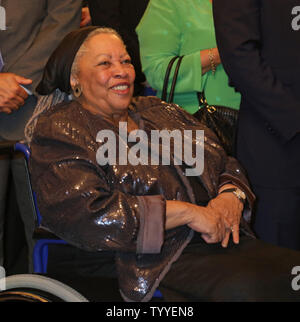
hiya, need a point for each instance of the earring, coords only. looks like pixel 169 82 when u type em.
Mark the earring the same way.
pixel 77 91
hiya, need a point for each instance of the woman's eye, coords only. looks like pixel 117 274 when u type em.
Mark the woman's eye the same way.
pixel 104 63
pixel 127 61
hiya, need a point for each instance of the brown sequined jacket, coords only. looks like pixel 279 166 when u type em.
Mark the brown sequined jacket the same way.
pixel 122 207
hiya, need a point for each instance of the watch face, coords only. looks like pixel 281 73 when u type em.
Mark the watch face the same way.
pixel 240 194
pixel 243 195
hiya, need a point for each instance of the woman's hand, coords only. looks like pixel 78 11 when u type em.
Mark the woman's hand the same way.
pixel 229 208
pixel 204 220
pixel 209 224
pixel 215 222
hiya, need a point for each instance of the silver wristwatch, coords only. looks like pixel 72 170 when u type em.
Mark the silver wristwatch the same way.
pixel 238 193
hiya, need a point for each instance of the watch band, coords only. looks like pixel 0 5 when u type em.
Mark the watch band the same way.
pixel 237 192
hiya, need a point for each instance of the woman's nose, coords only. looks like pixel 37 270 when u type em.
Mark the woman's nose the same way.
pixel 120 71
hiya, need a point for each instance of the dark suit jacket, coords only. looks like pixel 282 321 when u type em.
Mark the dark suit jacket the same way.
pixel 123 16
pixel 260 52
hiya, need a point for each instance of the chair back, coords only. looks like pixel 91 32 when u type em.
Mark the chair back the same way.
pixel 25 150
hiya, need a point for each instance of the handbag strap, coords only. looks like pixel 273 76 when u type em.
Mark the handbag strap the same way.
pixel 201 99
pixel 171 95
pixel 203 102
pixel 166 80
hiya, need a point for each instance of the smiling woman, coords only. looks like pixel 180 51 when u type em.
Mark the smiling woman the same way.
pixel 104 73
pixel 147 224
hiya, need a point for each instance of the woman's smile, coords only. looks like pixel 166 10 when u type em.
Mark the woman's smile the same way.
pixel 121 88
pixel 106 76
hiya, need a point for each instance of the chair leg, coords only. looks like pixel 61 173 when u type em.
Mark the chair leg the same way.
pixel 45 257
pixel 40 254
pixel 37 257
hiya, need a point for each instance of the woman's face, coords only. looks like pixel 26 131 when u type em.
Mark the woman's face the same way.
pixel 106 75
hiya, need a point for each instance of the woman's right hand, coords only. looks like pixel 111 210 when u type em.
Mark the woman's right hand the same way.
pixel 204 220
pixel 208 223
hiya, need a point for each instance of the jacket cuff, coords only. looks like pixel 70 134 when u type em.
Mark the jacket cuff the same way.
pixel 152 224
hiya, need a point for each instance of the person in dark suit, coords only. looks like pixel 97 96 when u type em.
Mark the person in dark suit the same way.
pixel 122 16
pixel 259 47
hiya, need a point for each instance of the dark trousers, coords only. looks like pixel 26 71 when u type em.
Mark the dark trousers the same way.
pixel 250 271
pixel 277 217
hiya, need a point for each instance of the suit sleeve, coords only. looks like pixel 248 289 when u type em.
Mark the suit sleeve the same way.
pixel 239 39
pixel 62 17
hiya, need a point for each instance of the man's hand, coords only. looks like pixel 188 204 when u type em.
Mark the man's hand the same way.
pixel 85 17
pixel 12 95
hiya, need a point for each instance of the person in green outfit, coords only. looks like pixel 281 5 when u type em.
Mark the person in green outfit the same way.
pixel 175 27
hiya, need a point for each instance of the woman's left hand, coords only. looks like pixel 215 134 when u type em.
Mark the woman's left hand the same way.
pixel 230 209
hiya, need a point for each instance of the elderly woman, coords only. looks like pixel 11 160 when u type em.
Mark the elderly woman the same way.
pixel 163 227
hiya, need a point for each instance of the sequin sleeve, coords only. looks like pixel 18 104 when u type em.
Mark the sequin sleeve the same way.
pixel 78 201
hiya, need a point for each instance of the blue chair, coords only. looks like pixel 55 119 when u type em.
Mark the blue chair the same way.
pixel 148 91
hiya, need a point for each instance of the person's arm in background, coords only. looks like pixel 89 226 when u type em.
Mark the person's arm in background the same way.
pixel 62 17
pixel 239 39
pixel 12 95
pixel 86 19
pixel 159 34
